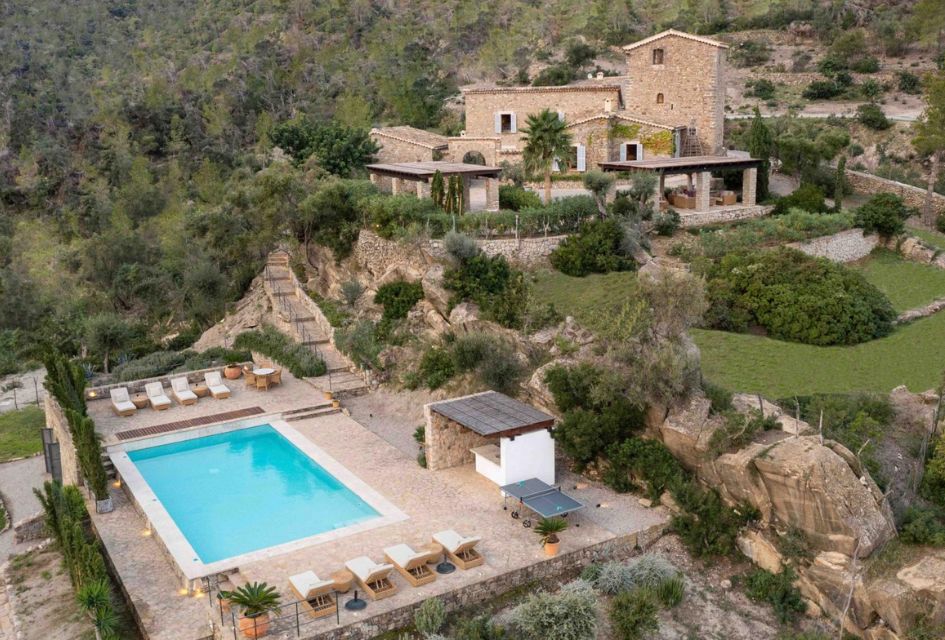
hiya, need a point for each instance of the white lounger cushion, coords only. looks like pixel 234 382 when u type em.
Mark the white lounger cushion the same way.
pixel 155 391
pixel 364 568
pixel 403 554
pixel 305 583
pixel 215 383
pixel 452 541
pixel 120 399
pixel 182 389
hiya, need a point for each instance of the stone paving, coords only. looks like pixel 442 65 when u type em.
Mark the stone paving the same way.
pixel 17 481
pixel 455 498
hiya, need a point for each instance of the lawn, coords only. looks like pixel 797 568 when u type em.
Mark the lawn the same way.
pixel 592 300
pixel 906 284
pixel 20 433
pixel 932 238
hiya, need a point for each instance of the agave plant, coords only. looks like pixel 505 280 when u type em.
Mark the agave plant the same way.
pixel 549 528
pixel 95 598
pixel 256 599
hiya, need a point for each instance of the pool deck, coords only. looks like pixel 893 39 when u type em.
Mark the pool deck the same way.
pixel 456 498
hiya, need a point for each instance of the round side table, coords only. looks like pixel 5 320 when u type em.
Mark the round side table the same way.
pixel 140 400
pixel 343 580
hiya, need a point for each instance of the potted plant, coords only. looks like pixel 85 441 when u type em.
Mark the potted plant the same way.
pixel 232 371
pixel 548 529
pixel 257 600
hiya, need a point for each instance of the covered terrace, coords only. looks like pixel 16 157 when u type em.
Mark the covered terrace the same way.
pixel 416 177
pixel 699 194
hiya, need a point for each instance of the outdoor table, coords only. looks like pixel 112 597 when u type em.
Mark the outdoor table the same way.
pixel 140 400
pixel 434 551
pixel 343 580
pixel 200 390
pixel 265 371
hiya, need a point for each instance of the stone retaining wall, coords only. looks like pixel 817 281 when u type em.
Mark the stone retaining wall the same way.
pixel 845 246
pixel 912 196
pixel 29 529
pixel 702 218
pixel 562 567
pixel 56 420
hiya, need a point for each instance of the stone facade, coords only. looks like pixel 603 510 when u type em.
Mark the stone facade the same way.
pixel 912 196
pixel 56 420
pixel 407 144
pixel 683 84
pixel 845 246
pixel 488 146
pixel 448 443
pixel 601 141
pixel 717 215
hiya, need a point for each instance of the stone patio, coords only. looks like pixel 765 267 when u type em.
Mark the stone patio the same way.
pixel 456 498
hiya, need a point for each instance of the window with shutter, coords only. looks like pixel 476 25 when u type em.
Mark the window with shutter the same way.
pixel 581 157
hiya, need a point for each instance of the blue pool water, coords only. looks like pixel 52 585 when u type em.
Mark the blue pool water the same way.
pixel 246 490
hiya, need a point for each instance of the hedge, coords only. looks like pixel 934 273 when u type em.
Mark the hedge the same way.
pixel 297 358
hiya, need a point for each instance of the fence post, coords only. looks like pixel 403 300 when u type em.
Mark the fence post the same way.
pixel 298 630
pixel 233 619
pixel 36 390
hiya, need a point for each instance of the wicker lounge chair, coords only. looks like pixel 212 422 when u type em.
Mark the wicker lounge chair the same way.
pixel 372 577
pixel 215 384
pixel 250 378
pixel 412 565
pixel 459 549
pixel 121 403
pixel 276 378
pixel 180 389
pixel 314 594
pixel 156 396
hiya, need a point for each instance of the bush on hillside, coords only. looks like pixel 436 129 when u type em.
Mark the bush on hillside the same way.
pixel 297 358
pixel 633 614
pixel 778 590
pixel 361 342
pixel 822 90
pixel 515 198
pixel 870 115
pixel 665 223
pixel 923 525
pixel 807 197
pixel 597 248
pixel 570 614
pixel 797 298
pixel 646 571
pixel 940 223
pixel 762 88
pixel 398 298
pixel 885 214
pixel 391 216
pixel 500 291
pixel 642 460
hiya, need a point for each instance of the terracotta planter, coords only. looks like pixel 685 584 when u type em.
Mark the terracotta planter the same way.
pixel 232 371
pixel 255 627
pixel 329 395
pixel 336 404
pixel 551 548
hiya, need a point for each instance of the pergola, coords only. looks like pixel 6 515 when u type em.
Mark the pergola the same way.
pixel 421 173
pixel 702 167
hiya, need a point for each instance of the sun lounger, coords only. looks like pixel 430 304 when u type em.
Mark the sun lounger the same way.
pixel 159 401
pixel 410 564
pixel 315 595
pixel 372 577
pixel 180 389
pixel 459 549
pixel 121 403
pixel 215 384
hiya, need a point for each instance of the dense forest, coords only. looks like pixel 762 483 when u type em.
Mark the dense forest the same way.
pixel 137 186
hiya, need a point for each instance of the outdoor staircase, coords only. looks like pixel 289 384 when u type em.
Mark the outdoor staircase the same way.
pixel 692 146
pixel 300 324
pixel 313 411
pixel 110 472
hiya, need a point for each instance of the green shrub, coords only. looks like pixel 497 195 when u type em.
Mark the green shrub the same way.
pixel 822 90
pixel 933 481
pixel 666 222
pixel 719 397
pixel 866 64
pixel 671 591
pixel 739 430
pixel 909 83
pixel 794 226
pixel 750 53
pixel 855 150
pixel 150 366
pixel 515 198
pixel 590 573
pixel 460 247
pixel 596 248
pixel 351 290
pixel 297 358
pixel 570 614
pixel 391 216
pixel 430 616
pixel 498 289
pixel 870 115
pixel 646 459
pixel 478 628
pixel 778 590
pixel 633 614
pixel 707 527
pixel 796 297
pixel 885 214
pixel 807 197
pixel 940 223
pixel 398 298
pixel 923 525
pixel 336 315
pixel 435 368
pixel 646 571
pixel 361 343
pixel 762 88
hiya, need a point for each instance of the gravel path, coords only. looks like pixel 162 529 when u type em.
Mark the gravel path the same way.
pixel 17 481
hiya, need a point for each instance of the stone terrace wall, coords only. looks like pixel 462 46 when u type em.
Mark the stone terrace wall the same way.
pixel 448 443
pixel 562 567
pixel 700 219
pixel 845 246
pixel 912 196
pixel 56 420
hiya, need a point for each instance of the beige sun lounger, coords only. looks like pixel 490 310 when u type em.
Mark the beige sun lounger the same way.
pixel 215 384
pixel 314 594
pixel 180 389
pixel 156 396
pixel 372 577
pixel 121 403
pixel 410 564
pixel 459 549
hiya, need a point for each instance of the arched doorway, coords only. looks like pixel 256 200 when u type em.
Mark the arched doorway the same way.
pixel 474 157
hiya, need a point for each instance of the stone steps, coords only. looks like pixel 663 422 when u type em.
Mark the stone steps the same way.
pixel 308 414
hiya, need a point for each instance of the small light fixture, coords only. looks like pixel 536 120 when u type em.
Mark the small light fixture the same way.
pixel 93 394
pixel 147 530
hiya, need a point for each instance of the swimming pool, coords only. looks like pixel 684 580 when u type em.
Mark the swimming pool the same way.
pixel 218 498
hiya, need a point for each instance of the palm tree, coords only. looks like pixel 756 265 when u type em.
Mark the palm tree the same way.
pixel 545 139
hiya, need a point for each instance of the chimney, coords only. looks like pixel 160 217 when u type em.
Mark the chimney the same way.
pixel 600 75
pixel 608 105
pixel 590 76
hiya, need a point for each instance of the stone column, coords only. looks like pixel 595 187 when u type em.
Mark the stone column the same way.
pixel 689 181
pixel 492 194
pixel 373 178
pixel 423 189
pixel 749 186
pixel 396 184
pixel 703 180
pixel 661 187
pixel 465 194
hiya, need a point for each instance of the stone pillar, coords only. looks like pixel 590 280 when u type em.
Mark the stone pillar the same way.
pixel 689 181
pixel 703 181
pixel 465 194
pixel 749 186
pixel 660 189
pixel 492 194
pixel 396 184
pixel 373 177
pixel 423 189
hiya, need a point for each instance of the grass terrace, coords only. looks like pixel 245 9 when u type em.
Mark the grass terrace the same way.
pixel 932 238
pixel 906 284
pixel 20 433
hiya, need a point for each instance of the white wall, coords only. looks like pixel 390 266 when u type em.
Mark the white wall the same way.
pixel 489 469
pixel 530 455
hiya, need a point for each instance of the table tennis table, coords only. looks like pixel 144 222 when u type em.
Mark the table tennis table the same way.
pixel 542 498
